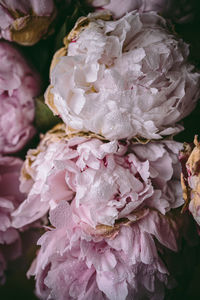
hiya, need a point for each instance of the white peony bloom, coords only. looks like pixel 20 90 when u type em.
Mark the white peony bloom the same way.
pixel 123 79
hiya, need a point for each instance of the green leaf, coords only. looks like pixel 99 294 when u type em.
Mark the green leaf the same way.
pixel 44 118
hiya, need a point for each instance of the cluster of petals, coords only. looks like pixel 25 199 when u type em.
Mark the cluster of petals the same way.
pixel 123 79
pixel 10 198
pixel 179 10
pixel 190 177
pixel 19 84
pixel 107 181
pixel 73 265
pixel 25 22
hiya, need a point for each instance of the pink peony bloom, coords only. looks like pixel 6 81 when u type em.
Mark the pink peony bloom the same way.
pixel 10 198
pixel 26 22
pixel 125 78
pixel 107 180
pixel 72 265
pixel 180 11
pixel 190 177
pixel 19 84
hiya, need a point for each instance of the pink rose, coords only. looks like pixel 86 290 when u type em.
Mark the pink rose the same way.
pixel 19 84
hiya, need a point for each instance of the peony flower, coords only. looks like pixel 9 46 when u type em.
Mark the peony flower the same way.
pixel 10 198
pixel 180 11
pixel 71 265
pixel 19 84
pixel 190 177
pixel 26 22
pixel 123 79
pixel 107 181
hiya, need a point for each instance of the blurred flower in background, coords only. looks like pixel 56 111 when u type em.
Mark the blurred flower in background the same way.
pixel 19 84
pixel 10 198
pixel 181 11
pixel 26 22
pixel 190 177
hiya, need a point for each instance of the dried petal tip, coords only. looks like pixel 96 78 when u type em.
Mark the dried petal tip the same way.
pixel 196 142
